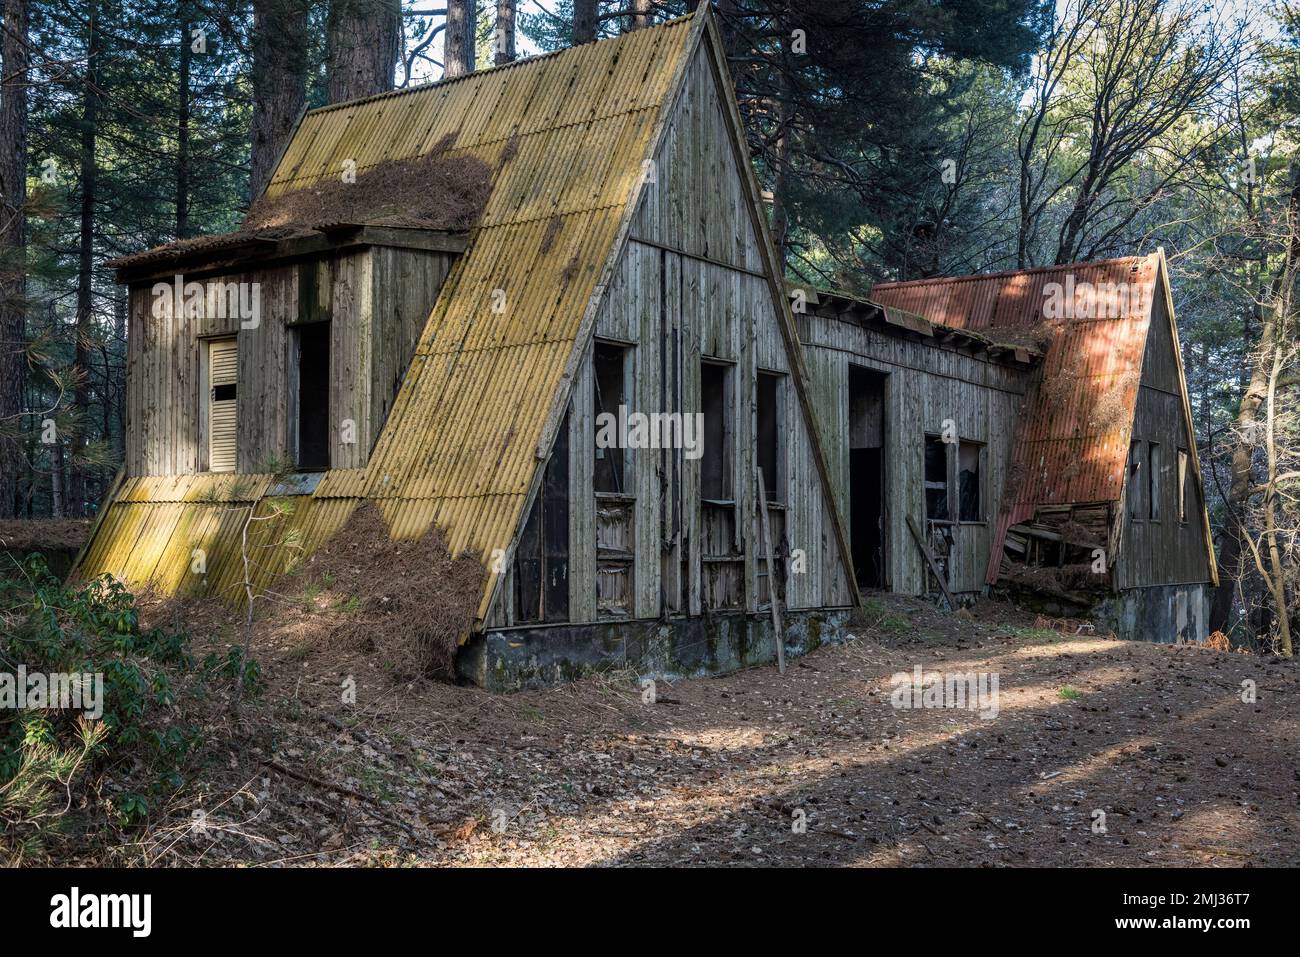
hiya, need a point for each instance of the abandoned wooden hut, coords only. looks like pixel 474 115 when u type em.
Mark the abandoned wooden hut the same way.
pixel 490 378
pixel 1030 430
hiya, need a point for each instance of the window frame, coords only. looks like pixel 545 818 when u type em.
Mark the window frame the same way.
pixel 728 477
pixel 926 483
pixel 1136 481
pixel 294 424
pixel 777 491
pixel 981 453
pixel 626 456
pixel 206 399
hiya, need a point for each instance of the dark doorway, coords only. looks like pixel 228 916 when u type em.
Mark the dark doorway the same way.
pixel 313 412
pixel 867 476
pixel 715 460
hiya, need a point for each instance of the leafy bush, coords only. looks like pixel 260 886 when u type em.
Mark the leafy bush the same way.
pixel 49 756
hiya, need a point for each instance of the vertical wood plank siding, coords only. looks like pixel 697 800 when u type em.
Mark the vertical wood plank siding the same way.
pixel 565 136
pixel 926 386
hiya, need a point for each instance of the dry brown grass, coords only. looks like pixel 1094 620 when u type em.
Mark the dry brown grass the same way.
pixel 410 603
pixel 400 609
pixel 26 536
pixel 434 191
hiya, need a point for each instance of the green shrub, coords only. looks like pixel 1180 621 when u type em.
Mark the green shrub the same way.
pixel 150 680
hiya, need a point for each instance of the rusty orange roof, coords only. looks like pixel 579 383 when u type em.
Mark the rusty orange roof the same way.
pixel 1092 320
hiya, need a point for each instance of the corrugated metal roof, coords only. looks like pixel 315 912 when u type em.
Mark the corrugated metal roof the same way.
pixel 1074 431
pixel 566 135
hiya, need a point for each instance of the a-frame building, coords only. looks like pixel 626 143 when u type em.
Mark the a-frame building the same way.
pixel 621 264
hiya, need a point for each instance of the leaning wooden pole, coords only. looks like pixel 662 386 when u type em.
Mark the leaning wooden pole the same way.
pixel 771 575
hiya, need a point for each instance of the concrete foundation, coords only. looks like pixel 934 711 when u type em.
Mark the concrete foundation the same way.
pixel 1163 613
pixel 512 659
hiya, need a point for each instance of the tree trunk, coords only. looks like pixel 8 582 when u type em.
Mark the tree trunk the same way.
pixel 58 474
pixel 183 126
pixel 1231 552
pixel 75 487
pixel 363 41
pixel 641 14
pixel 13 285
pixel 584 20
pixel 780 177
pixel 1275 573
pixel 458 47
pixel 279 82
pixel 505 32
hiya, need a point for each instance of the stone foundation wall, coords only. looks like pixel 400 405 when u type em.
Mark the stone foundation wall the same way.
pixel 1163 613
pixel 512 659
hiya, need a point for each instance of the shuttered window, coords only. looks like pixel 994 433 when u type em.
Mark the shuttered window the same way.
pixel 223 417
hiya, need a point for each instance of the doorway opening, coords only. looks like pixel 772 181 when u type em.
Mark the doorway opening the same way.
pixel 867 476
pixel 312 348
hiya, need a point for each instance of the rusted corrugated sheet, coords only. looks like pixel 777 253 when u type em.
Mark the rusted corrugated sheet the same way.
pixel 1072 445
pixel 566 136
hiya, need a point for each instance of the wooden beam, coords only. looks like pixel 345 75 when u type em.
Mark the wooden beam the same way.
pixel 331 238
pixel 771 575
pixel 929 559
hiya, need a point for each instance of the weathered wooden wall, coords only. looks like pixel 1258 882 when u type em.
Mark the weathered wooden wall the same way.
pixel 377 300
pixel 688 287
pixel 1163 551
pixel 927 384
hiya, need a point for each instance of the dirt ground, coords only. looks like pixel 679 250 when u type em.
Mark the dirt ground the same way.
pixel 724 770
pixel 34 535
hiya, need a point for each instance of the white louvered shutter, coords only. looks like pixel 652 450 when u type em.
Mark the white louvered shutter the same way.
pixel 223 422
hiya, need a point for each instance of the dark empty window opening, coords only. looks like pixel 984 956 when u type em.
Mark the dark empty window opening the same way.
pixel 1153 481
pixel 936 479
pixel 769 435
pixel 609 388
pixel 716 404
pixel 541 569
pixel 969 456
pixel 312 350
pixel 1135 480
pixel 866 498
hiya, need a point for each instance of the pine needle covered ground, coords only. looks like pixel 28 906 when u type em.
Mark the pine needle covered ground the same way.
pixel 717 771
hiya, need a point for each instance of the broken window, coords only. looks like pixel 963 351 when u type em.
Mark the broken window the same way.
pixel 936 479
pixel 541 569
pixel 615 505
pixel 223 405
pixel 311 347
pixel 969 457
pixel 609 392
pixel 768 437
pixel 1153 481
pixel 1183 461
pixel 721 549
pixel 1135 509
pixel 719 424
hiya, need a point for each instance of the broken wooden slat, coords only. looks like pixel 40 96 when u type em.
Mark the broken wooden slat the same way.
pixel 934 566
pixel 771 574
